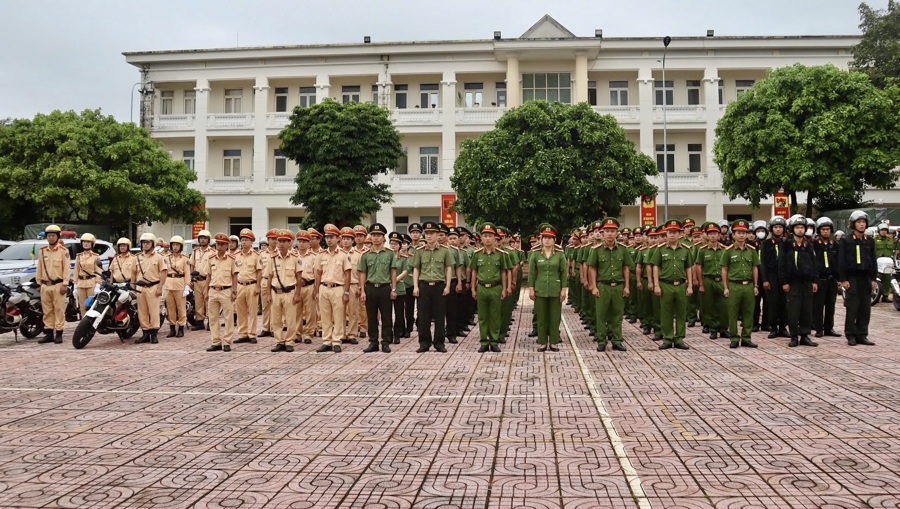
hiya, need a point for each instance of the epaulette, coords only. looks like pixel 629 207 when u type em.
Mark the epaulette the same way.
pixel 478 250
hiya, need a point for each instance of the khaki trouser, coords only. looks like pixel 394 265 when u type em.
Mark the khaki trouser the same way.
pixel 148 308
pixel 220 301
pixel 266 309
pixel 176 307
pixel 363 315
pixel 201 295
pixel 284 314
pixel 309 311
pixel 53 305
pixel 83 293
pixel 352 313
pixel 247 300
pixel 331 312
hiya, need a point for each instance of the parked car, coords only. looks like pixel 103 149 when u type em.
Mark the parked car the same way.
pixel 18 263
pixel 5 244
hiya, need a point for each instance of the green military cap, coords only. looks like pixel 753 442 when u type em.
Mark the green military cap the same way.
pixel 452 230
pixel 502 231
pixel 709 226
pixel 395 237
pixel 688 222
pixel 673 224
pixel 626 231
pixel 489 228
pixel 415 227
pixel 609 222
pixel 430 226
pixel 548 230
pixel 741 224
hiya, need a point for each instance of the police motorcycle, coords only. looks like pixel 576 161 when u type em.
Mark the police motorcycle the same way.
pixel 112 308
pixel 73 312
pixel 892 266
pixel 20 312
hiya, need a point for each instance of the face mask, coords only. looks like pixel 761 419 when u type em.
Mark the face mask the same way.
pixel 809 232
pixel 760 235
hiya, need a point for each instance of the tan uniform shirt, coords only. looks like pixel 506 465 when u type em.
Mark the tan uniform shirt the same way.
pixel 87 273
pixel 264 261
pixel 332 265
pixel 178 274
pixel 122 268
pixel 150 268
pixel 308 265
pixel 200 259
pixel 220 270
pixel 247 265
pixel 53 265
pixel 355 255
pixel 283 270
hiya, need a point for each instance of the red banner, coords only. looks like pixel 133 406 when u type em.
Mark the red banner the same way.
pixel 648 210
pixel 781 205
pixel 448 217
pixel 199 225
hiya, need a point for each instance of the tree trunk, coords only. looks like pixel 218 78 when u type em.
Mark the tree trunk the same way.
pixel 793 195
pixel 809 203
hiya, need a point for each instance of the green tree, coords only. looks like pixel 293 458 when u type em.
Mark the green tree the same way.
pixel 819 129
pixel 563 164
pixel 88 168
pixel 878 53
pixel 340 148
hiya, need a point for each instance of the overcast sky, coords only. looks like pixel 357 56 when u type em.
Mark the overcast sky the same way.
pixel 68 54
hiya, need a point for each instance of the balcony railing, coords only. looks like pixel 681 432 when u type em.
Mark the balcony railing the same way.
pixel 621 113
pixel 281 184
pixel 415 182
pixel 173 122
pixel 229 185
pixel 278 120
pixel 680 113
pixel 689 181
pixel 229 120
pixel 416 116
pixel 479 116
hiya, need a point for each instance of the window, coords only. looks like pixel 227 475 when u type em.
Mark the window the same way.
pixel 666 90
pixel 721 92
pixel 375 98
pixel 233 100
pixel 188 157
pixel 552 87
pixel 592 93
pixel 236 224
pixel 400 96
pixel 401 224
pixel 166 104
pixel 428 95
pixel 402 164
pixel 474 95
pixel 693 92
pixel 182 230
pixel 293 223
pixel 190 102
pixel 280 164
pixel 501 94
pixel 428 160
pixel 618 93
pixel 307 96
pixel 281 99
pixel 433 219
pixel 695 157
pixel 667 151
pixel 231 163
pixel 350 93
pixel 743 86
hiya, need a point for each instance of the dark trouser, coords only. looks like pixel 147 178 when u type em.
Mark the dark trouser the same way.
pixel 823 305
pixel 453 301
pixel 399 316
pixel 776 302
pixel 799 308
pixel 759 308
pixel 378 301
pixel 432 306
pixel 858 302
pixel 410 310
pixel 885 284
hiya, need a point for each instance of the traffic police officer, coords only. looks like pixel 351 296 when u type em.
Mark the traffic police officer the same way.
pixel 797 274
pixel 332 290
pixel 222 294
pixel 87 273
pixel 200 263
pixel 53 274
pixel 177 288
pixel 267 249
pixel 378 278
pixel 857 273
pixel 249 266
pixel 308 307
pixel 740 273
pixel 609 273
pixel 673 283
pixel 432 270
pixel 122 267
pixel 151 273
pixel 283 273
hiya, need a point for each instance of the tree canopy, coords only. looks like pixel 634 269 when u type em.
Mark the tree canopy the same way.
pixel 340 148
pixel 878 53
pixel 88 168
pixel 557 163
pixel 820 130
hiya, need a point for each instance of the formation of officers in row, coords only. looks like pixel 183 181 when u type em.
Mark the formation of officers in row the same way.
pixel 782 276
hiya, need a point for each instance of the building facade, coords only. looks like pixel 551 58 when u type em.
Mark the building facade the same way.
pixel 221 110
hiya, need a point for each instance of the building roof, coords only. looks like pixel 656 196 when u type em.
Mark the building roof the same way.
pixel 547 28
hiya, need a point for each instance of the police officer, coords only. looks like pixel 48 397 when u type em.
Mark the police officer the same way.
pixel 267 249
pixel 283 273
pixel 200 263
pixel 827 275
pixel 333 290
pixel 432 271
pixel 884 247
pixel 308 307
pixel 449 238
pixel 547 288
pixel 776 299
pixel 609 273
pixel 401 268
pixel 53 274
pixel 797 274
pixel 222 294
pixel 87 273
pixel 857 273
pixel 234 244
pixel 489 272
pixel 760 316
pixel 673 283
pixel 409 307
pixel 151 274
pixel 177 287
pixel 122 266
pixel 378 278
pixel 708 263
pixel 740 274
pixel 249 266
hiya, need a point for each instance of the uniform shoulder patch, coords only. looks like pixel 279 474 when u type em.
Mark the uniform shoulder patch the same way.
pixel 480 249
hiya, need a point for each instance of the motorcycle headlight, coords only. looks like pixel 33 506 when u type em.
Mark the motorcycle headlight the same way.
pixel 102 298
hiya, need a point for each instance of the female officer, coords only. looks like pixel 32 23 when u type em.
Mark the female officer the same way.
pixel 547 288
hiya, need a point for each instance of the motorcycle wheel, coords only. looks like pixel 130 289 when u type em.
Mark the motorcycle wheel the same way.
pixel 133 326
pixel 31 327
pixel 896 301
pixel 876 293
pixel 189 308
pixel 84 332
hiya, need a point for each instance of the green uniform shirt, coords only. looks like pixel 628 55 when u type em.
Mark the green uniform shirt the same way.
pixel 459 256
pixel 673 263
pixel 609 262
pixel 489 265
pixel 432 263
pixel 377 266
pixel 710 260
pixel 740 262
pixel 547 275
pixel 633 251
pixel 884 247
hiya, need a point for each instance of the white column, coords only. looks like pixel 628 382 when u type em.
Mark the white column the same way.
pixel 201 145
pixel 385 216
pixel 513 88
pixel 260 143
pixel 645 100
pixel 323 84
pixel 384 90
pixel 260 222
pixel 581 77
pixel 711 92
pixel 448 128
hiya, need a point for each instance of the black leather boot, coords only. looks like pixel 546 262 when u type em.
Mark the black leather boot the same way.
pixel 145 338
pixel 171 332
pixel 58 338
pixel 153 339
pixel 180 333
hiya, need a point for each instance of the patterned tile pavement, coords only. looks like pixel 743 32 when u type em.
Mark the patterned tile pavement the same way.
pixel 172 426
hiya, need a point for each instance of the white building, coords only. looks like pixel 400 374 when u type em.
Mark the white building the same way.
pixel 220 110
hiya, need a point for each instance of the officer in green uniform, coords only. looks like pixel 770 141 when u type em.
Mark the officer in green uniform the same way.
pixel 489 268
pixel 401 269
pixel 740 275
pixel 547 288
pixel 884 247
pixel 378 278
pixel 693 301
pixel 507 302
pixel 673 283
pixel 631 303
pixel 609 274
pixel 432 266
pixel 708 262
pixel 658 238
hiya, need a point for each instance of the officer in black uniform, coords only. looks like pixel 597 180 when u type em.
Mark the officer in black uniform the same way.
pixel 857 273
pixel 768 271
pixel 827 275
pixel 797 274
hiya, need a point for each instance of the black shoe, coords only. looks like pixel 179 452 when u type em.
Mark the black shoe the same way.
pixel 765 328
pixel 749 344
pixel 197 327
pixel 632 320
pixel 153 339
pixel 385 348
pixel 324 348
pixel 214 348
pixel 495 348
pixel 692 323
pixel 440 348
pixel 352 341
pixel 619 347
pixel 336 349
pixel 452 339
pixel 819 334
pixel 252 341
pixel 657 337
pixel 242 340
pixel 421 349
pixel 298 341
pixel 171 332
pixel 682 346
pixel 724 334
pixel 884 298
pixel 734 344
pixel 532 334
pixel 793 342
pixel 805 341
pixel 665 346
pixel 145 338
pixel 553 348
pixel 783 333
pixel 502 341
pixel 362 334
pixel 646 331
pixel 48 337
pixel 773 334
pixel 288 348
pixel 851 340
pixel 226 348
pixel 180 333
pixel 864 341
pixel 705 329
pixel 266 334
pixel 755 328
pixel 280 347
pixel 373 347
pixel 542 349
pixel 482 348
pixel 306 341
pixel 713 335
pixel 396 341
pixel 601 347
pixel 832 333
pixel 58 338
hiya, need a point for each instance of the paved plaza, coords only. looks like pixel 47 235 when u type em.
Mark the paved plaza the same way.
pixel 171 425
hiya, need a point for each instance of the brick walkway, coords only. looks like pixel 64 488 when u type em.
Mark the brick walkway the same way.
pixel 171 426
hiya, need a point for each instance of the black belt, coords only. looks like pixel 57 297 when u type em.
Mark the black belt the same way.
pixel 247 283
pixel 489 285
pixel 611 283
pixel 332 285
pixel 714 278
pixel 52 282
pixel 82 278
pixel 307 282
pixel 150 285
pixel 673 283
pixel 376 285
pixel 217 288
pixel 284 289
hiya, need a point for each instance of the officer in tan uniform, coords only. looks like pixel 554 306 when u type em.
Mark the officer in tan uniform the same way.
pixel 53 274
pixel 222 294
pixel 178 282
pixel 283 275
pixel 306 310
pixel 267 249
pixel 87 273
pixel 122 266
pixel 151 272
pixel 332 289
pixel 351 310
pixel 315 247
pixel 200 263
pixel 363 243
pixel 249 278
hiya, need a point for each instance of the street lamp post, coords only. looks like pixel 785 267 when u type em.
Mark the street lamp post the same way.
pixel 666 41
pixel 146 88
pixel 131 117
